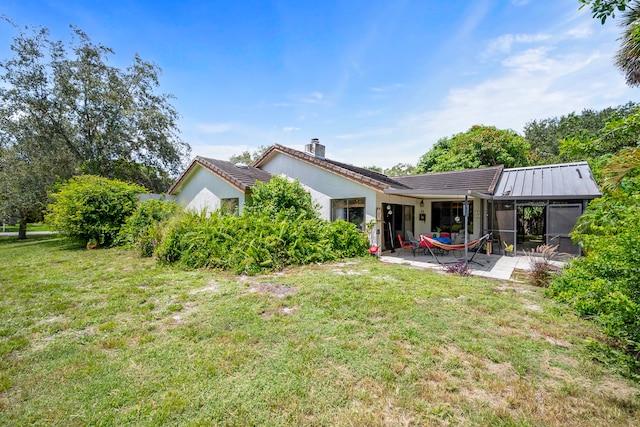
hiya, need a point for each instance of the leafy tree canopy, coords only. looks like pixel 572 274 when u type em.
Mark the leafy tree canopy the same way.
pixel 375 168
pixel 69 99
pixel 602 9
pixel 480 146
pixel 248 158
pixel 604 284
pixel 547 136
pixel 64 111
pixel 628 56
pixel 23 186
pixel 399 169
pixel 615 136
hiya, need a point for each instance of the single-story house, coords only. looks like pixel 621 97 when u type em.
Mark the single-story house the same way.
pixel 212 184
pixel 521 206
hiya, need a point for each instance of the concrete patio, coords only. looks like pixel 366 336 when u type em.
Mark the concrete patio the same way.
pixel 490 266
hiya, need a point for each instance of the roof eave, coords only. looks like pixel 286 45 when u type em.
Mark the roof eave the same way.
pixel 556 197
pixel 178 182
pixel 201 161
pixel 224 175
pixel 496 179
pixel 309 159
pixel 438 193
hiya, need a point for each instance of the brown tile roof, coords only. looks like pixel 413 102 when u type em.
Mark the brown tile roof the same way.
pixel 363 176
pixel 240 176
pixel 482 180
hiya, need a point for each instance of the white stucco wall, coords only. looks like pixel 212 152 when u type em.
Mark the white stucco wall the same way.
pixel 323 185
pixel 204 190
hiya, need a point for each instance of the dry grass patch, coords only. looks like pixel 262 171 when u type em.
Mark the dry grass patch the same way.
pixel 276 291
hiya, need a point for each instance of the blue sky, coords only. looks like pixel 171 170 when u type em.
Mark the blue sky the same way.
pixel 377 82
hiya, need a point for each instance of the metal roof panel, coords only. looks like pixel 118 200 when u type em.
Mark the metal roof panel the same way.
pixel 561 181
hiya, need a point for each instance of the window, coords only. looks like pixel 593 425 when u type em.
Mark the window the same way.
pixel 351 210
pixel 449 216
pixel 229 205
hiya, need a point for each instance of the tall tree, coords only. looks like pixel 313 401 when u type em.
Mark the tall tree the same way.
pixel 547 135
pixel 604 284
pixel 628 55
pixel 479 146
pixel 248 158
pixel 375 168
pixel 628 61
pixel 400 169
pixel 65 111
pixel 23 186
pixel 603 9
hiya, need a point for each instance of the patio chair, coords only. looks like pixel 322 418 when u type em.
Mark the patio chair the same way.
pixel 417 243
pixel 412 239
pixel 407 245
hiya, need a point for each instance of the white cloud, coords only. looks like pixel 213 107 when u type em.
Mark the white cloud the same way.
pixel 312 98
pixel 214 128
pixel 473 16
pixel 221 152
pixel 556 73
pixel 534 84
pixel 298 99
pixel 531 60
pixel 505 43
pixel 366 134
pixel 387 88
pixel 369 113
pixel 564 67
pixel 582 31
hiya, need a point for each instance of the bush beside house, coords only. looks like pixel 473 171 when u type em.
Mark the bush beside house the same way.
pixel 142 230
pixel 280 227
pixel 93 208
pixel 604 284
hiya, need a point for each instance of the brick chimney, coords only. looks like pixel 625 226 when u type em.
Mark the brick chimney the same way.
pixel 315 148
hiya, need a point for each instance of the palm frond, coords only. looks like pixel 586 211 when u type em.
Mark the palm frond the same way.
pixel 623 163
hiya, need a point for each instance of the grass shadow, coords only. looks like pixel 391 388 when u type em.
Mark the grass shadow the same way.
pixel 42 241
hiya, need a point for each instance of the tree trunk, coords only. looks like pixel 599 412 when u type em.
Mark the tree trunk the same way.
pixel 22 230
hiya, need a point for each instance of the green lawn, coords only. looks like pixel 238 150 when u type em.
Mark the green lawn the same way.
pixel 30 227
pixel 106 338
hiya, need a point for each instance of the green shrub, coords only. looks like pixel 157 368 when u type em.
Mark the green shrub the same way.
pixel 281 198
pixel 278 228
pixel 90 207
pixel 255 243
pixel 605 284
pixel 142 229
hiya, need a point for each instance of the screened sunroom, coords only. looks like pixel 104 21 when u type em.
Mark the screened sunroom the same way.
pixel 540 205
